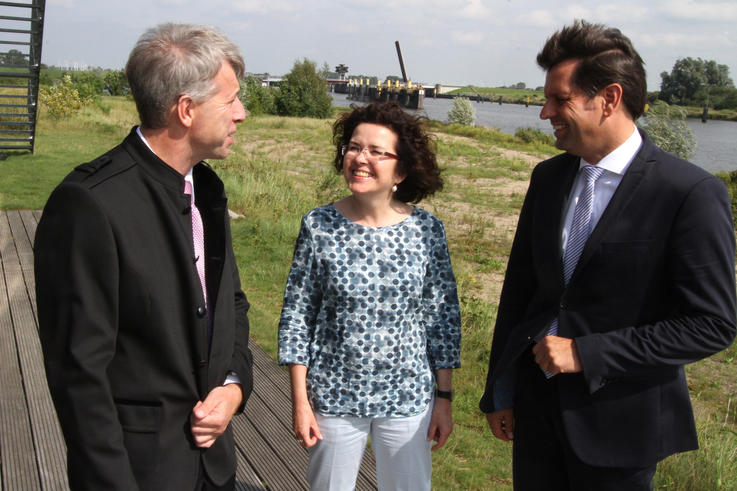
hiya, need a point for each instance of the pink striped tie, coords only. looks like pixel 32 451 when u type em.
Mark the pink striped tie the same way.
pixel 198 237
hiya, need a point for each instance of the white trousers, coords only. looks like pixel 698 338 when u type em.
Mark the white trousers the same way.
pixel 403 460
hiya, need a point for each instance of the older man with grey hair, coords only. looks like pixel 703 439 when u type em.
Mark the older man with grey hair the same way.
pixel 142 318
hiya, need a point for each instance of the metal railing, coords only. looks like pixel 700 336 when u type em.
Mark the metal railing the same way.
pixel 21 38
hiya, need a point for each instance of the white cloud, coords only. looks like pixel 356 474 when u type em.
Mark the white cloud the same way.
pixel 621 13
pixel 475 9
pixel 700 11
pixel 538 18
pixel 575 12
pixel 265 6
pixel 467 37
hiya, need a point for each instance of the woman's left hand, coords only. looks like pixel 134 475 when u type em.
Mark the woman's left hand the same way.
pixel 441 424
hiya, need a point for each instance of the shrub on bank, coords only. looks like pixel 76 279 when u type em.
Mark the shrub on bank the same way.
pixel 533 135
pixel 62 99
pixel 462 112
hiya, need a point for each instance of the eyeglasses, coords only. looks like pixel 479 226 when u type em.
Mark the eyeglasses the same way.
pixel 372 153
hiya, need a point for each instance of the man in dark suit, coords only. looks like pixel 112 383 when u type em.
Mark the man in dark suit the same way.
pixel 586 367
pixel 143 327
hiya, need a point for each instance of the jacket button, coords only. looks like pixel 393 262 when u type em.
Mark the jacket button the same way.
pixel 563 305
pixel 201 312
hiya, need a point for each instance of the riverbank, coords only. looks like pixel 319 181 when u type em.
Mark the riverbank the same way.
pixel 716 145
pixel 280 168
pixel 713 114
pixel 537 98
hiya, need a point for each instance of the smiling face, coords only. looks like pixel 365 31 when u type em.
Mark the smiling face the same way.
pixel 576 118
pixel 214 120
pixel 364 174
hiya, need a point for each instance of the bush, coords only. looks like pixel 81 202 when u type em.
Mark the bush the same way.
pixel 89 84
pixel 533 135
pixel 257 99
pixel 667 127
pixel 730 180
pixel 62 100
pixel 462 112
pixel 303 92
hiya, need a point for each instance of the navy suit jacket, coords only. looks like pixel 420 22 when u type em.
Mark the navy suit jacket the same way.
pixel 654 289
pixel 123 323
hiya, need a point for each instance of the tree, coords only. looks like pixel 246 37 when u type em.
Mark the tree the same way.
pixel 462 112
pixel 116 83
pixel 690 81
pixel 258 99
pixel 341 70
pixel 14 57
pixel 303 92
pixel 89 84
pixel 666 126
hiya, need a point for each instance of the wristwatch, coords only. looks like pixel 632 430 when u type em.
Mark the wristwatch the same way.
pixel 444 394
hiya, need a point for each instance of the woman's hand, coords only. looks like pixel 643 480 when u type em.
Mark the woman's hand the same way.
pixel 305 427
pixel 441 423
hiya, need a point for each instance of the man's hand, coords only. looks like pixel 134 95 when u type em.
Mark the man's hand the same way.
pixel 557 355
pixel 441 423
pixel 210 417
pixel 502 424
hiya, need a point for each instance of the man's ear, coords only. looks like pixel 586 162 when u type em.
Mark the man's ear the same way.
pixel 185 110
pixel 611 98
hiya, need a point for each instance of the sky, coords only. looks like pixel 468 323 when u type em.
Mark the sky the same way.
pixel 487 43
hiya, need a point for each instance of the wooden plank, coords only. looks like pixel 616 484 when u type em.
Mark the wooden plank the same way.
pixel 273 386
pixel 47 436
pixel 17 456
pixel 261 456
pixel 23 225
pixel 245 478
pixel 30 219
pixel 292 458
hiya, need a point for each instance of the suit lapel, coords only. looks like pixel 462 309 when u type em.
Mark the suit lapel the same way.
pixel 554 203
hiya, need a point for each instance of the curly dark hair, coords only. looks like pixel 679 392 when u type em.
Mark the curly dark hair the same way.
pixel 415 147
pixel 607 56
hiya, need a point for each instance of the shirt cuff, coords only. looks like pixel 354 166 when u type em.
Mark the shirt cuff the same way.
pixel 232 378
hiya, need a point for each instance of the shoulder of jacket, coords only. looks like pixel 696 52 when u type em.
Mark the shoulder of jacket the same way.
pixel 103 167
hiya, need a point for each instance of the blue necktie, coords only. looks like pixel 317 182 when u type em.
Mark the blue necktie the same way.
pixel 579 232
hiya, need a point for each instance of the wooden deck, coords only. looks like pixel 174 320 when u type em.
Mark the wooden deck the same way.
pixel 32 450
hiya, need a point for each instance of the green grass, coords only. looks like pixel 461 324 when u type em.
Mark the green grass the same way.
pixel 281 167
pixel 513 96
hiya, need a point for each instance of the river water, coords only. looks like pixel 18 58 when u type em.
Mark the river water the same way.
pixel 716 141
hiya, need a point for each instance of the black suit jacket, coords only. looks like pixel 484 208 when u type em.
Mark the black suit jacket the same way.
pixel 654 289
pixel 123 325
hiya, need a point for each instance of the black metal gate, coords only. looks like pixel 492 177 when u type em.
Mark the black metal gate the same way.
pixel 21 35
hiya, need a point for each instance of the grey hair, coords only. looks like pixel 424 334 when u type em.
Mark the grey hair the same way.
pixel 171 60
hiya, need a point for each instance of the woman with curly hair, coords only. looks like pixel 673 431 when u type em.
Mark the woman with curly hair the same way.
pixel 370 326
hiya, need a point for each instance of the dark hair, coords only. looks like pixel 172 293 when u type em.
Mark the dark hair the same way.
pixel 606 56
pixel 415 147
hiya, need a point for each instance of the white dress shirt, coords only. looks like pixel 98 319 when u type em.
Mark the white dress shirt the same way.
pixel 615 164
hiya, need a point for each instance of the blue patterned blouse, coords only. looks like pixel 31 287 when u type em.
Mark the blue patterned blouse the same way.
pixel 372 312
